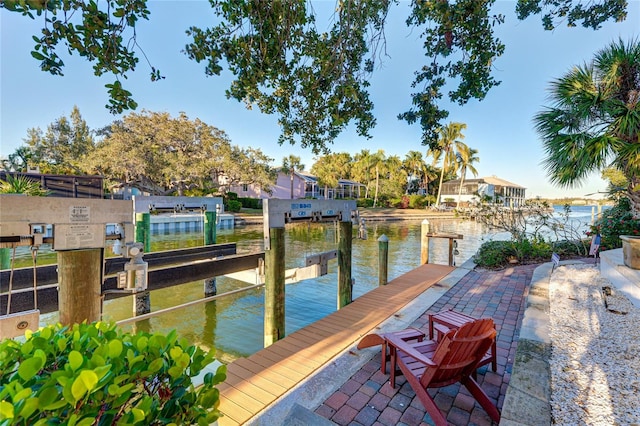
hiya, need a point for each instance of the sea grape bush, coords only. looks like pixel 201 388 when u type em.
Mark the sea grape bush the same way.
pixel 95 374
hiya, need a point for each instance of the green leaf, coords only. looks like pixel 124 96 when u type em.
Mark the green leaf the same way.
pixel 29 368
pixel 142 342
pixel 138 415
pixel 39 56
pixel 156 365
pixel 115 348
pixel 47 396
pixel 22 395
pixel 175 353
pixel 6 410
pixel 75 360
pixel 84 383
pixel 175 371
pixel 29 407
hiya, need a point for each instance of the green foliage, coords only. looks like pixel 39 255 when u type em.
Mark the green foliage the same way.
pixel 460 45
pixel 594 120
pixel 614 222
pixel 21 184
pixel 104 36
pixel 315 78
pixel 233 206
pixel 494 254
pixel 418 201
pixel 161 155
pixel 231 195
pixel 62 149
pixel 592 14
pixel 364 202
pixel 250 203
pixel 94 374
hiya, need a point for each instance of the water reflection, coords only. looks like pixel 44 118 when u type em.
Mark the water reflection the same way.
pixel 234 324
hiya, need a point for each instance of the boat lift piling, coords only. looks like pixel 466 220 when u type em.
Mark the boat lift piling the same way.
pixel 276 214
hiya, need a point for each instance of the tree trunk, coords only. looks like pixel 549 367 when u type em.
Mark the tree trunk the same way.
pixel 440 186
pixel 633 192
pixel 375 198
pixel 292 184
pixel 464 172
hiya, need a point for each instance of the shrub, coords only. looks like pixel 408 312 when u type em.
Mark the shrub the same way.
pixel 364 202
pixel 93 374
pixel 614 222
pixel 250 203
pixel 417 201
pixel 233 206
pixel 494 254
pixel 232 196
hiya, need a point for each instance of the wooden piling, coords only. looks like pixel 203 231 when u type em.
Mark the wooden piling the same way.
pixel 274 293
pixel 383 260
pixel 143 230
pixel 210 233
pixel 345 237
pixel 5 258
pixel 80 280
pixel 424 242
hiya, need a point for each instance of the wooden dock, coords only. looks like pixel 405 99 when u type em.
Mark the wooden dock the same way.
pixel 255 382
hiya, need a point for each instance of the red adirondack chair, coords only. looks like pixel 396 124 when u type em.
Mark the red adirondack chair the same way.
pixel 431 364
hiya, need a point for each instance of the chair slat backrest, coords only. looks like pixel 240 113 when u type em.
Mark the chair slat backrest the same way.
pixel 459 352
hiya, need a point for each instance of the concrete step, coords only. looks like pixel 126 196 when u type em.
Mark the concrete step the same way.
pixel 625 279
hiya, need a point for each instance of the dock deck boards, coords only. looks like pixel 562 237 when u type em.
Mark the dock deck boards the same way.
pixel 255 382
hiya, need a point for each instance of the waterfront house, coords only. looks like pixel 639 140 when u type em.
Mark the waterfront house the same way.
pixel 491 188
pixel 305 185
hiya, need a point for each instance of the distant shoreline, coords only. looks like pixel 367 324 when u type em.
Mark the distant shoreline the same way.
pixel 374 215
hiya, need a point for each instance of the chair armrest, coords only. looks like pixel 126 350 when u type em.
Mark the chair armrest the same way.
pixel 407 348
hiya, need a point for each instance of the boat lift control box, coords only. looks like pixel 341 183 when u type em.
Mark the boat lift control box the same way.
pixel 76 223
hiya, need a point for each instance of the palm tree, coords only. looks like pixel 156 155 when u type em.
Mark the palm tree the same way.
pixel 466 157
pixel 594 120
pixel 290 165
pixel 449 141
pixel 414 166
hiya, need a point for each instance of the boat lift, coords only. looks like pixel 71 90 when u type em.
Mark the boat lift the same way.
pixel 77 230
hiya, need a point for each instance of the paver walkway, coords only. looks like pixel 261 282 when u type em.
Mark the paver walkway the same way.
pixel 367 399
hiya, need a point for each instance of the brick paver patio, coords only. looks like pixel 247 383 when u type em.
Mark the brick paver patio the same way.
pixel 367 399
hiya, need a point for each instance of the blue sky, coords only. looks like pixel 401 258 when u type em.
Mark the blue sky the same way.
pixel 500 126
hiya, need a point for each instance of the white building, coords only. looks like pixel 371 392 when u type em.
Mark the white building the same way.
pixel 490 188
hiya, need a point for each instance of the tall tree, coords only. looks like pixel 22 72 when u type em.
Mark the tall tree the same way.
pixel 316 81
pixel 414 165
pixel 159 154
pixel 61 149
pixel 466 157
pixel 594 120
pixel 331 168
pixel 362 169
pixel 449 141
pixel 290 165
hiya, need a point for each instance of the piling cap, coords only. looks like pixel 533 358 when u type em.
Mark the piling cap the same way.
pixel 383 239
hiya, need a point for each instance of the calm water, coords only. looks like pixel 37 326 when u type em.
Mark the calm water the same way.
pixel 234 324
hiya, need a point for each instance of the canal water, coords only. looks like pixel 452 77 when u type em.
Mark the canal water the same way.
pixel 233 325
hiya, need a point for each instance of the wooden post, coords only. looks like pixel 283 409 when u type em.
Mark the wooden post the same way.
pixel 450 251
pixel 80 281
pixel 344 264
pixel 209 228
pixel 383 260
pixel 5 258
pixel 274 292
pixel 143 230
pixel 424 242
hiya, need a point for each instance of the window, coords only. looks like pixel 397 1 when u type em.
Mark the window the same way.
pixel 245 187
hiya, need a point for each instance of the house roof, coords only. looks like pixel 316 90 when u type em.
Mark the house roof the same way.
pixel 493 180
